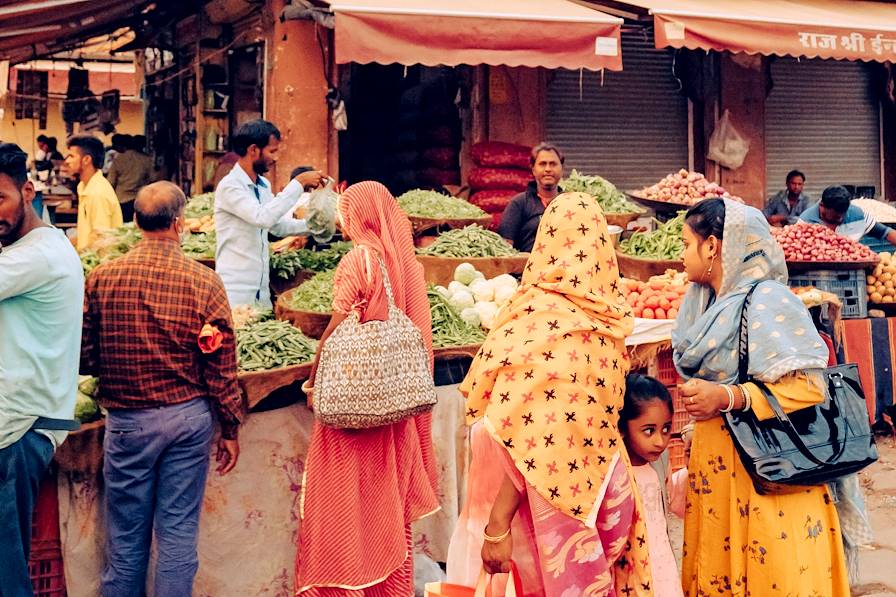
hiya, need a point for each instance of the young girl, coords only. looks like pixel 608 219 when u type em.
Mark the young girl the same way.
pixel 645 423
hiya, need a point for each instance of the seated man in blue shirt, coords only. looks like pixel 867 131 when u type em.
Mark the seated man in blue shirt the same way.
pixel 786 206
pixel 837 213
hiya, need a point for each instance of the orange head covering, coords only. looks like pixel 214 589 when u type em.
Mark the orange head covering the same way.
pixel 550 377
pixel 371 217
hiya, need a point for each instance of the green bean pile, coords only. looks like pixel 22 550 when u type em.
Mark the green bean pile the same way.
pixel 448 329
pixel 471 241
pixel 272 344
pixel 315 294
pixel 430 204
pixel 287 263
pixel 611 199
pixel 663 243
pixel 200 205
pixel 201 245
pixel 89 260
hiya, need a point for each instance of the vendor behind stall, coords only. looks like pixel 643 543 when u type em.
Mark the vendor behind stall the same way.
pixel 786 206
pixel 837 213
pixel 523 214
pixel 246 210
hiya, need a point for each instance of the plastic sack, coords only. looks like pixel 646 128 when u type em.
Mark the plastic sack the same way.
pixel 727 146
pixel 321 212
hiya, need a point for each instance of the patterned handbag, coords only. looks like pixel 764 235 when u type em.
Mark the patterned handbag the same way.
pixel 373 373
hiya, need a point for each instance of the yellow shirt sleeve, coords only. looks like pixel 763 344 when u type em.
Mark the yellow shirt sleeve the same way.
pixel 793 392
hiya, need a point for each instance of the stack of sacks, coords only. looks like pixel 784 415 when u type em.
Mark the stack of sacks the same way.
pixel 502 171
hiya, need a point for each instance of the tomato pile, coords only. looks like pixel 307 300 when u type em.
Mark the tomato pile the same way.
pixel 814 242
pixel 655 299
pixel 687 188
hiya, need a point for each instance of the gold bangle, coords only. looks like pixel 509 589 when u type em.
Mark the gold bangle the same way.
pixel 489 539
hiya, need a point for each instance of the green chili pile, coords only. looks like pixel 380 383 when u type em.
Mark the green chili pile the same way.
pixel 663 243
pixel 471 241
pixel 448 329
pixel 272 344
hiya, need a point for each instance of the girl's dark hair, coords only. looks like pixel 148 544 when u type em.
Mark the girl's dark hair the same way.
pixel 639 390
pixel 707 218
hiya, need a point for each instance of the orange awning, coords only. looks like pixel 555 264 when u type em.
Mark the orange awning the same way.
pixel 843 29
pixel 546 33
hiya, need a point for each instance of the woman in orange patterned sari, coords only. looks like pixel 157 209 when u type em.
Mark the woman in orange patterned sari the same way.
pixel 550 474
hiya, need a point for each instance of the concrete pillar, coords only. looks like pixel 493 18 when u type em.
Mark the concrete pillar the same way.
pixel 296 88
pixel 742 89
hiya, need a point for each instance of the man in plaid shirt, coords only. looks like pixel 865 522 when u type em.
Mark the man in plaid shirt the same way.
pixel 143 317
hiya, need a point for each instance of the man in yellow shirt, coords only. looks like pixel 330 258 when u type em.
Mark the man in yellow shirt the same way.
pixel 98 207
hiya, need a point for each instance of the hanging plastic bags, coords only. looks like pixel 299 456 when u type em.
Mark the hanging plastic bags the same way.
pixel 727 146
pixel 321 212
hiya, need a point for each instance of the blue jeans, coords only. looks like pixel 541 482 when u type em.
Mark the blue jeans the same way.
pixel 22 466
pixel 155 466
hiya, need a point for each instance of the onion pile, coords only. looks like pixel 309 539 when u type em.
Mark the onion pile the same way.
pixel 686 188
pixel 814 242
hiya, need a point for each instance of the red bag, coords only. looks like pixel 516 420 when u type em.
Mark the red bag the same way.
pixel 501 155
pixel 494 201
pixel 499 178
pixel 496 221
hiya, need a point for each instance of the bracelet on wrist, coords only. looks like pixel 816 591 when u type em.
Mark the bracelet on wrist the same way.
pixel 489 539
pixel 730 393
pixel 748 399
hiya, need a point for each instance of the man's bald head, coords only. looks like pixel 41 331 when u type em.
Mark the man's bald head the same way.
pixel 158 205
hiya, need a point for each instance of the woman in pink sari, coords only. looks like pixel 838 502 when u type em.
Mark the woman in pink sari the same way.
pixel 550 483
pixel 363 488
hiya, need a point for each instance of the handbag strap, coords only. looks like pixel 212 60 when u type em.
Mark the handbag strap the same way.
pixel 387 284
pixel 743 358
pixel 743 376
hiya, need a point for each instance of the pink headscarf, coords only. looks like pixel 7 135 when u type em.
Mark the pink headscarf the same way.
pixel 371 217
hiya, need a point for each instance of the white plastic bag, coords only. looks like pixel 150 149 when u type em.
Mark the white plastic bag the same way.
pixel 321 212
pixel 727 146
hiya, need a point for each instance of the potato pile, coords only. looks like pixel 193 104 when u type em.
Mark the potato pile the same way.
pixel 882 281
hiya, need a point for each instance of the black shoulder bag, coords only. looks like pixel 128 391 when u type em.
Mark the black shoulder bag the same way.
pixel 811 446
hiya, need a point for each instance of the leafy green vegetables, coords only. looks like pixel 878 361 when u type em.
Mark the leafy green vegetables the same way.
pixel 286 264
pixel 200 205
pixel 611 200
pixel 315 294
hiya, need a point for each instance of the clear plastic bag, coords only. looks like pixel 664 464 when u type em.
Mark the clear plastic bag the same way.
pixel 727 146
pixel 321 212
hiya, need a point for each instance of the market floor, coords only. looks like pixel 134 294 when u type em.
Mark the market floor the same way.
pixel 876 570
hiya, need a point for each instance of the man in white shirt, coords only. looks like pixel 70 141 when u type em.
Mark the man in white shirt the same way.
pixel 246 210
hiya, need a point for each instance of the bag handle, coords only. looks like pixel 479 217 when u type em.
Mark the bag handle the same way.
pixel 514 587
pixel 743 376
pixel 791 431
pixel 387 284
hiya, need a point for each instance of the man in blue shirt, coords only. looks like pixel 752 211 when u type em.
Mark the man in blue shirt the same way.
pixel 41 297
pixel 786 206
pixel 246 210
pixel 837 213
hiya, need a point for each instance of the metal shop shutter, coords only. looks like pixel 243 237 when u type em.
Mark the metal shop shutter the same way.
pixel 633 129
pixel 820 118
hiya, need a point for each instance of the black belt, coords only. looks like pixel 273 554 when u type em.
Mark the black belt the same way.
pixel 48 424
pixel 451 371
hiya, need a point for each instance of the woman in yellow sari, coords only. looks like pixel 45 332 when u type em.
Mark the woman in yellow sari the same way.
pixel 738 542
pixel 550 481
